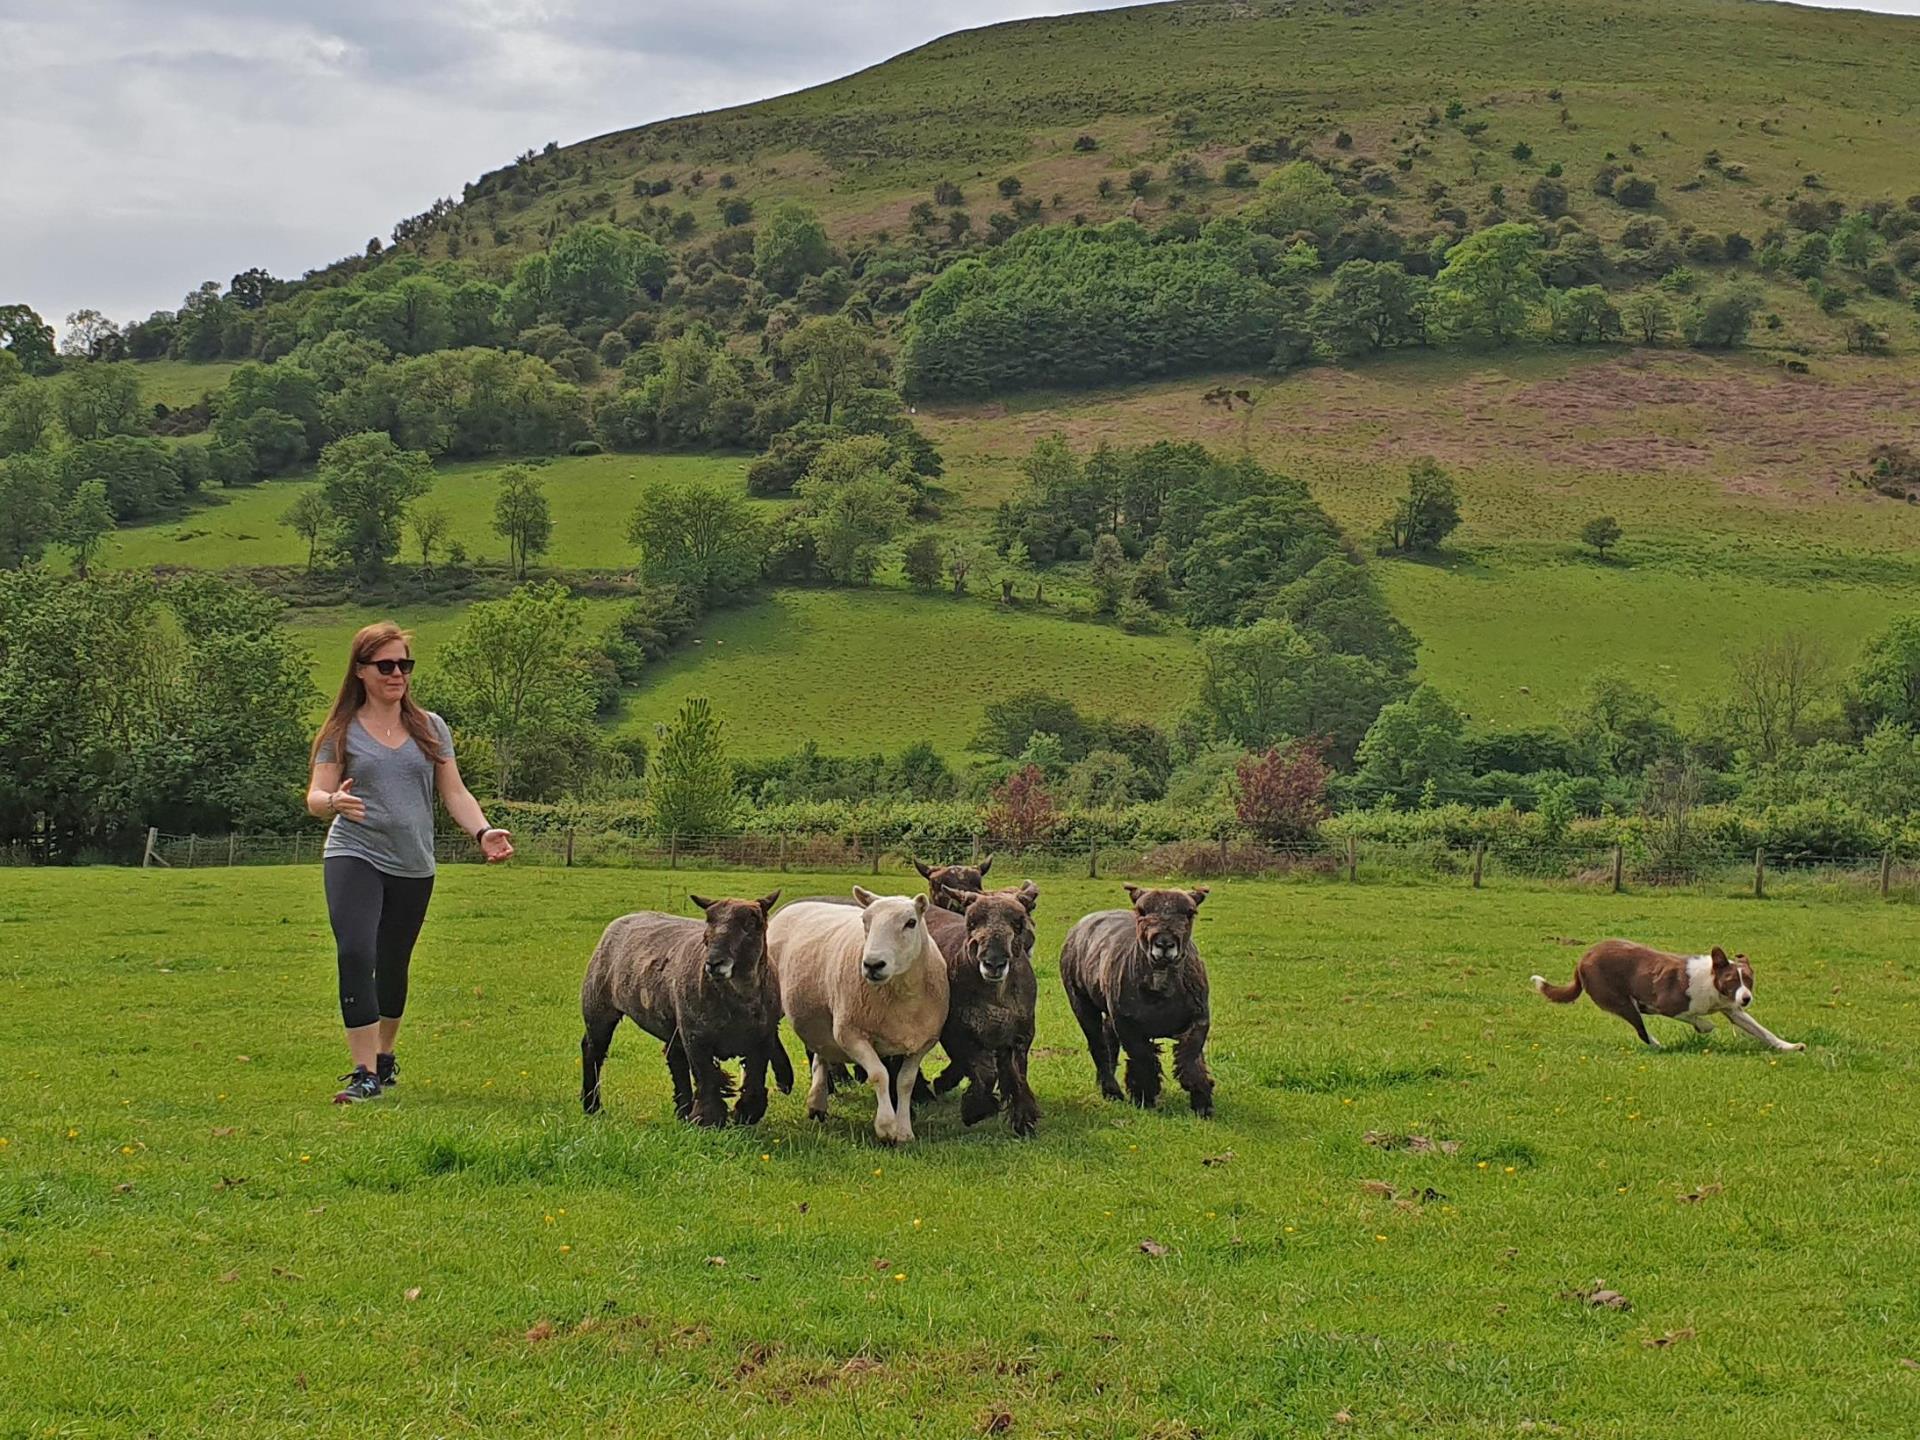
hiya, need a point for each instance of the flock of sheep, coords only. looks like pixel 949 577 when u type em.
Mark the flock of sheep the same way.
pixel 876 981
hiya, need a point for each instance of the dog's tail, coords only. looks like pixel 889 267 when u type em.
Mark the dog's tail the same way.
pixel 1559 994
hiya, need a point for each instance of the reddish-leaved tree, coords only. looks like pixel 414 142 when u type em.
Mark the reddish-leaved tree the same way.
pixel 1022 812
pixel 1281 794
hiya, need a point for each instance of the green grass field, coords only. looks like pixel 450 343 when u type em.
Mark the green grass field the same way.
pixel 193 1242
pixel 175 383
pixel 592 498
pixel 860 671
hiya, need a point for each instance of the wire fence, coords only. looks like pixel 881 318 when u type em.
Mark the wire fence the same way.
pixel 1335 858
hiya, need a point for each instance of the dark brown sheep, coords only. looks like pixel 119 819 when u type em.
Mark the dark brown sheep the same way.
pixel 1134 977
pixel 992 991
pixel 947 883
pixel 705 988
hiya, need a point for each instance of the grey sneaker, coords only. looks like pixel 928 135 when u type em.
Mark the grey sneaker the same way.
pixel 361 1085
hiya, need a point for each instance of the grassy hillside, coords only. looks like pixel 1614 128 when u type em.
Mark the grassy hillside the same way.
pixel 194 1241
pixel 860 671
pixel 1791 101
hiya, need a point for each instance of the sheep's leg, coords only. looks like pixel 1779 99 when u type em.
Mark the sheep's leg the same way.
pixel 782 1062
pixel 1143 1064
pixel 856 1047
pixel 711 1085
pixel 1023 1111
pixel 1190 1067
pixel 980 1101
pixel 594 1044
pixel 818 1088
pixel 903 1116
pixel 752 1104
pixel 948 1080
pixel 1100 1041
pixel 682 1077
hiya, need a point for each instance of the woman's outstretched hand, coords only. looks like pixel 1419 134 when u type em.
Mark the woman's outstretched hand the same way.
pixel 497 845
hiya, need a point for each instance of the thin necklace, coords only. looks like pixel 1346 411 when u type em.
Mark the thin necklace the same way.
pixel 385 732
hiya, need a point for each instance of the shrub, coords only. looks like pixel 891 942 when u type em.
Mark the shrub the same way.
pixel 1281 795
pixel 1085 142
pixel 585 447
pixel 1634 191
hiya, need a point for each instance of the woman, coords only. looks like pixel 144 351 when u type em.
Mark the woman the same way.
pixel 376 764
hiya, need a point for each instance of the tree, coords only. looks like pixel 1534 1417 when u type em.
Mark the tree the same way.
pixel 28 338
pixel 830 358
pixel 1108 573
pixel 1634 191
pixel 309 517
pixel 250 289
pixel 1139 179
pixel 1280 794
pixel 961 559
pixel 1620 725
pixel 851 503
pixel 595 269
pixel 96 399
pixel 1491 282
pixel 514 676
pixel 26 409
pixel 1855 241
pixel 430 526
pixel 735 210
pixel 1268 681
pixel 1412 745
pixel 922 563
pixel 1772 687
pixel 790 246
pixel 689 778
pixel 522 517
pixel 1582 316
pixel 1372 305
pixel 1722 320
pixel 1650 316
pixel 1009 186
pixel 1884 685
pixel 1429 513
pixel 92 336
pixel 1548 197
pixel 85 524
pixel 368 482
pixel 1601 532
pixel 1020 813
pixel 1299 196
pixel 698 536
pixel 29 509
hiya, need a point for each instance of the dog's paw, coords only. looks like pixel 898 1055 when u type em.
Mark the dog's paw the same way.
pixel 1800 1046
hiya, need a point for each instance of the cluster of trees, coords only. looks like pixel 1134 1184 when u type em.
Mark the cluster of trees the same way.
pixel 127 702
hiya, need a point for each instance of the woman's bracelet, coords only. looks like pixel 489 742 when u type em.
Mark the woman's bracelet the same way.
pixel 480 835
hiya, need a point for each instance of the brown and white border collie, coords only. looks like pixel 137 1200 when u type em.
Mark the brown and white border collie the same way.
pixel 1632 980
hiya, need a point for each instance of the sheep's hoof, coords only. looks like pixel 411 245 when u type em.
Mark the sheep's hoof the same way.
pixel 1202 1105
pixel 1111 1091
pixel 1023 1125
pixel 819 1117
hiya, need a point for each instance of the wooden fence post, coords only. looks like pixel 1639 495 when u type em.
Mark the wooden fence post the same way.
pixel 1886 870
pixel 1616 869
pixel 296 847
pixel 153 837
pixel 1223 854
pixel 783 852
pixel 1479 852
pixel 1353 860
pixel 673 850
pixel 976 851
pixel 876 855
pixel 569 847
pixel 232 842
pixel 1093 859
pixel 193 844
pixel 1760 874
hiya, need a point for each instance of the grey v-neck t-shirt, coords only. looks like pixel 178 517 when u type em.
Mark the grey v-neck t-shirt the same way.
pixel 396 782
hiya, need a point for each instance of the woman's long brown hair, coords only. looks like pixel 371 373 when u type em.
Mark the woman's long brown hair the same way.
pixel 353 694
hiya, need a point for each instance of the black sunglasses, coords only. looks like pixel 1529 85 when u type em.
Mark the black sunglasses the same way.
pixel 387 667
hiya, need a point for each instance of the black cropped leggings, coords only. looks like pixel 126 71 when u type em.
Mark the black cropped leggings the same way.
pixel 376 917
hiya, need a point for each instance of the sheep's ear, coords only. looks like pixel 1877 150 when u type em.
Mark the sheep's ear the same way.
pixel 921 866
pixel 1134 892
pixel 1719 957
pixel 986 864
pixel 1197 894
pixel 702 902
pixel 1028 895
pixel 950 897
pixel 863 897
pixel 767 902
pixel 920 904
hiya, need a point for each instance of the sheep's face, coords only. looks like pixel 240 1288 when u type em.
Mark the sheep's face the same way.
pixel 1000 929
pixel 952 887
pixel 896 934
pixel 736 934
pixel 1163 923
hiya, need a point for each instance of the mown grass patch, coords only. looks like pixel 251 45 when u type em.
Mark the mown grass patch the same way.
pixel 192 1240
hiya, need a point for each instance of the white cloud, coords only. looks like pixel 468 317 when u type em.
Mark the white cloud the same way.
pixel 145 147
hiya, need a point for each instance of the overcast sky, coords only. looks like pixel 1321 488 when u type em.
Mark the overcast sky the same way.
pixel 147 145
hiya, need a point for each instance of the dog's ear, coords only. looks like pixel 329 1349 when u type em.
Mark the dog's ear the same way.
pixel 925 872
pixel 986 864
pixel 1719 957
pixel 1197 894
pixel 702 901
pixel 767 902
